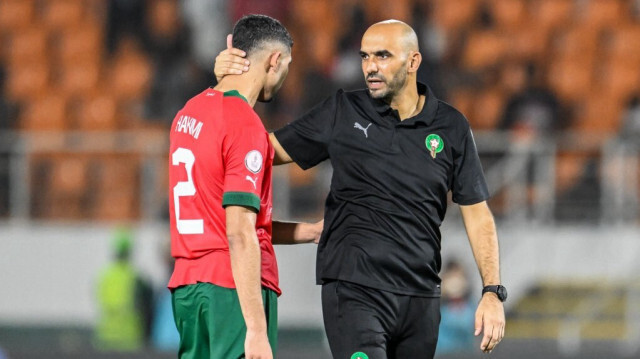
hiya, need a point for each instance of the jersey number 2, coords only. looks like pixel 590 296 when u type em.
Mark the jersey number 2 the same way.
pixel 185 226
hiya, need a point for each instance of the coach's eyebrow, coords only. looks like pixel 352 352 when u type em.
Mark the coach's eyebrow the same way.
pixel 383 53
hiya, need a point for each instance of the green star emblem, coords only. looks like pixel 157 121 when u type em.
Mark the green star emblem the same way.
pixel 434 144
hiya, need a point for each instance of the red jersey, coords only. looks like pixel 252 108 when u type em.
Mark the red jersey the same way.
pixel 220 155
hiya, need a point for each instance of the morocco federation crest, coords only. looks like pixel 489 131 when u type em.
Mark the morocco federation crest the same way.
pixel 434 144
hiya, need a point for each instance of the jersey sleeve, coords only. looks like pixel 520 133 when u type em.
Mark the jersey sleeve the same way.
pixel 245 152
pixel 469 186
pixel 307 139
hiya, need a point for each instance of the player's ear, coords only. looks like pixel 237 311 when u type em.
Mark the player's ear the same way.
pixel 415 58
pixel 274 60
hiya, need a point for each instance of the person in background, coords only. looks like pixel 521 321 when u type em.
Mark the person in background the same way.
pixel 124 299
pixel 164 334
pixel 457 311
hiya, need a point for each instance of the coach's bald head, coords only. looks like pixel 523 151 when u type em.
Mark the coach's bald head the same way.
pixel 390 58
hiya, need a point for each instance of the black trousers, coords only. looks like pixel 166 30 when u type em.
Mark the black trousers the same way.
pixel 363 322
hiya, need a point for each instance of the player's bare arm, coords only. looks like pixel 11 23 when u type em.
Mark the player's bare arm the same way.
pixel 481 230
pixel 244 250
pixel 296 233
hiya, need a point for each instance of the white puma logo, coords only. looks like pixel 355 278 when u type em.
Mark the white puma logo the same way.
pixel 253 181
pixel 359 127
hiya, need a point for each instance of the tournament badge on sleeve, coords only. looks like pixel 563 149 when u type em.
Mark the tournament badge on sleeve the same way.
pixel 359 355
pixel 434 144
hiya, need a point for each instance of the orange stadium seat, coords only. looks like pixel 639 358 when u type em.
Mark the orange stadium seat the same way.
pixel 619 77
pixel 528 42
pixel 569 167
pixel 80 43
pixel 60 14
pixel 487 109
pixel 601 13
pixel 508 14
pixel 118 188
pixel 599 114
pixel 67 188
pixel 316 15
pixel 16 15
pixel 25 82
pixel 570 79
pixel 46 113
pixel 78 78
pixel 97 113
pixel 131 74
pixel 550 14
pixel 453 15
pixel 624 42
pixel 378 10
pixel 30 45
pixel 577 42
pixel 462 100
pixel 483 49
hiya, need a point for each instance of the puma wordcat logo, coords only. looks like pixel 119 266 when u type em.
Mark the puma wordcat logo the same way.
pixel 253 181
pixel 364 129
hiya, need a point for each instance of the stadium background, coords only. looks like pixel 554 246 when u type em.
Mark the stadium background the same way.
pixel 88 89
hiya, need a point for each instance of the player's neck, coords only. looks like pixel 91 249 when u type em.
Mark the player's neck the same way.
pixel 247 84
pixel 407 101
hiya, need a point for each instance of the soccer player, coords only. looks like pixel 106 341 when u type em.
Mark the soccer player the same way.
pixel 396 151
pixel 225 281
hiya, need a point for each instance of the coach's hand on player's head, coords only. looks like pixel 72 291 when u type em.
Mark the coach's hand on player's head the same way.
pixel 490 321
pixel 230 61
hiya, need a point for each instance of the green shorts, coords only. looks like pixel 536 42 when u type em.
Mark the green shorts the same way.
pixel 210 321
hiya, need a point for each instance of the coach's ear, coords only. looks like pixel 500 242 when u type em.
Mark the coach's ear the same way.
pixel 415 58
pixel 274 61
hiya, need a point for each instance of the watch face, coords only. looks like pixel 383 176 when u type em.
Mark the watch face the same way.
pixel 502 293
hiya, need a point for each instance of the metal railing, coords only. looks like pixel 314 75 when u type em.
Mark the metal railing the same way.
pixel 521 174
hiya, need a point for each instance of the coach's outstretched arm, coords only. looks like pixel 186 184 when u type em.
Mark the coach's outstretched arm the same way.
pixel 244 250
pixel 481 230
pixel 296 232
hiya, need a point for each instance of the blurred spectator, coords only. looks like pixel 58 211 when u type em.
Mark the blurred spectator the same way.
pixel 3 355
pixel 432 48
pixel 631 120
pixel 124 301
pixel 457 311
pixel 177 77
pixel 164 334
pixel 7 117
pixel 125 18
pixel 347 73
pixel 208 23
pixel 533 110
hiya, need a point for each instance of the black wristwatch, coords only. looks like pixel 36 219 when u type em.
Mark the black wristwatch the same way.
pixel 500 291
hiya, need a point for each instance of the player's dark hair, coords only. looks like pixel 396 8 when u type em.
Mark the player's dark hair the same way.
pixel 253 31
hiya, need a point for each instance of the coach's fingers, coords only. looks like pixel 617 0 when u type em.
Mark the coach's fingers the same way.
pixel 495 338
pixel 229 41
pixel 486 338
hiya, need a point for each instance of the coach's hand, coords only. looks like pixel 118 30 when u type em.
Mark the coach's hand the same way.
pixel 231 61
pixel 256 346
pixel 490 320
